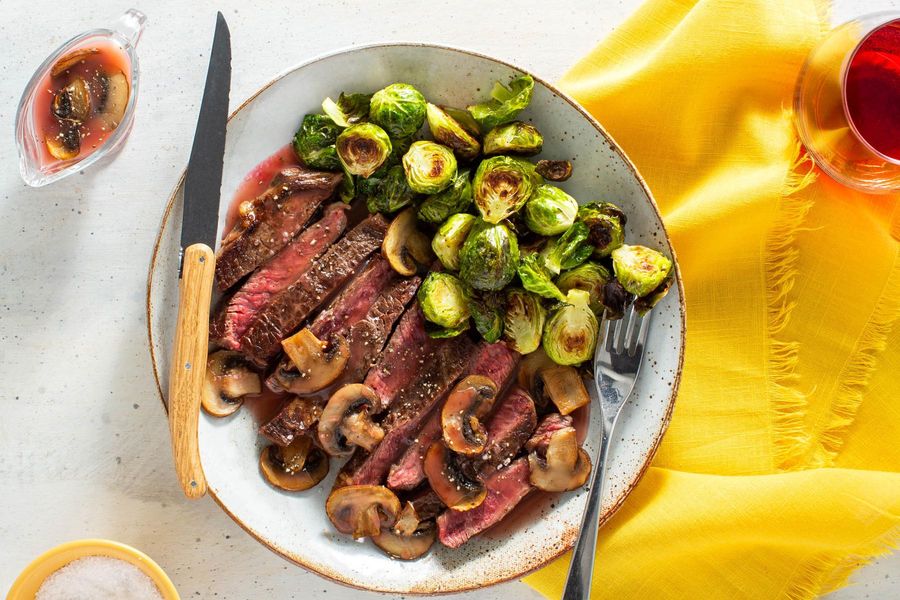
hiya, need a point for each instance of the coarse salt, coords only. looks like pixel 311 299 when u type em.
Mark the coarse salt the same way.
pixel 98 578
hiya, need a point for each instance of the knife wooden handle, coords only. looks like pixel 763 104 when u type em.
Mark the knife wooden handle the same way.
pixel 189 366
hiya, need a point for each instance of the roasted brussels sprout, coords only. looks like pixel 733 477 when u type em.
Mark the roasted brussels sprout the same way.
pixel 590 277
pixel 536 278
pixel 615 300
pixel 605 223
pixel 643 304
pixel 443 300
pixel 502 185
pixel 489 256
pixel 363 148
pixel 570 334
pixel 399 109
pixel 554 170
pixel 347 189
pixel 568 250
pixel 505 104
pixel 434 331
pixel 348 110
pixel 550 211
pixel 455 199
pixel 639 269
pixel 513 138
pixel 523 320
pixel 447 131
pixel 486 309
pixel 392 192
pixel 314 143
pixel 369 186
pixel 464 118
pixel 430 168
pixel 449 239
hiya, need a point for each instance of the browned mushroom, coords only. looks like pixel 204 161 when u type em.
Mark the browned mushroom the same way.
pixel 114 99
pixel 362 510
pixel 404 246
pixel 529 375
pixel 229 377
pixel 73 102
pixel 346 420
pixel 565 388
pixel 407 546
pixel 452 479
pixel 70 60
pixel 318 363
pixel 470 400
pixel 564 467
pixel 66 143
pixel 294 468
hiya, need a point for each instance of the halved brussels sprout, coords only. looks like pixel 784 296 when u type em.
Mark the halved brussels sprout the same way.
pixel 489 257
pixel 523 320
pixel 643 304
pixel 639 269
pixel 536 278
pixel 486 309
pixel 513 138
pixel 443 300
pixel 437 332
pixel 464 118
pixel 568 250
pixel 605 223
pixel 369 186
pixel 448 241
pixel 502 186
pixel 399 109
pixel 590 277
pixel 430 168
pixel 554 170
pixel 447 131
pixel 363 148
pixel 347 189
pixel 348 110
pixel 455 199
pixel 505 104
pixel 570 334
pixel 550 211
pixel 314 143
pixel 392 192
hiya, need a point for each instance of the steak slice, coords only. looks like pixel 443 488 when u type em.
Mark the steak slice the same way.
pixel 291 307
pixel 276 275
pixel 408 472
pixel 298 417
pixel 508 430
pixel 505 489
pixel 548 426
pixel 278 214
pixel 426 503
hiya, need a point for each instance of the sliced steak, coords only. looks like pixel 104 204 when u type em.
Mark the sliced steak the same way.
pixel 276 275
pixel 505 489
pixel 278 214
pixel 298 417
pixel 548 426
pixel 512 423
pixel 408 472
pixel 426 503
pixel 292 306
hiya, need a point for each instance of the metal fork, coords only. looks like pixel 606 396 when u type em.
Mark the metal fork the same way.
pixel 617 360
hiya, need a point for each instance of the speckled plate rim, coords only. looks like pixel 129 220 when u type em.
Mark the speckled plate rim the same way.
pixel 333 575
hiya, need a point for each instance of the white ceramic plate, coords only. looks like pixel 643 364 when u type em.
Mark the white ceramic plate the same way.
pixel 295 525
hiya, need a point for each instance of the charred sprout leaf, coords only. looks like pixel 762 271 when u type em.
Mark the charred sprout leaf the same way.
pixel 569 250
pixel 570 334
pixel 590 277
pixel 506 103
pixel 605 223
pixel 554 170
pixel 392 193
pixel 437 332
pixel 502 185
pixel 639 269
pixel 645 303
pixel 399 109
pixel 363 148
pixel 487 313
pixel 550 211
pixel 430 168
pixel 523 320
pixel 448 132
pixel 513 138
pixel 347 189
pixel 348 110
pixel 489 256
pixel 536 278
pixel 449 239
pixel 464 118
pixel 615 300
pixel 455 199
pixel 314 143
pixel 443 300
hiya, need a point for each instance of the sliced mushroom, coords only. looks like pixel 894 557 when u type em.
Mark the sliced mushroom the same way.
pixel 452 479
pixel 73 102
pixel 565 388
pixel 318 363
pixel 70 60
pixel 407 521
pixel 565 466
pixel 362 510
pixel 404 246
pixel 294 468
pixel 229 377
pixel 346 420
pixel 407 546
pixel 470 400
pixel 529 376
pixel 66 144
pixel 115 100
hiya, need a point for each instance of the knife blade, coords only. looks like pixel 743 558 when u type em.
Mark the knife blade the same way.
pixel 202 191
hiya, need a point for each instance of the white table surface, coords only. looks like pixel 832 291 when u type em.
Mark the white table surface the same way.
pixel 84 446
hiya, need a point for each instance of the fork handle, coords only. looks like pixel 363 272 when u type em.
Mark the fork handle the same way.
pixel 581 570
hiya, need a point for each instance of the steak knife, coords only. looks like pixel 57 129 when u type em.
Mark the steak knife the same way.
pixel 202 189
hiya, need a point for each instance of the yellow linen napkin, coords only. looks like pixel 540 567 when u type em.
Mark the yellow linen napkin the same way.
pixel 780 472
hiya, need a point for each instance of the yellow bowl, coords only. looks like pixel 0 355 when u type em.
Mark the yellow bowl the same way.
pixel 29 581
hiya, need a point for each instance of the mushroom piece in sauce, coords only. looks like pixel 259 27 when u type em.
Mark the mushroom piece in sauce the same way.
pixel 318 363
pixel 451 478
pixel 294 468
pixel 362 510
pixel 346 420
pixel 565 465
pixel 229 377
pixel 470 401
